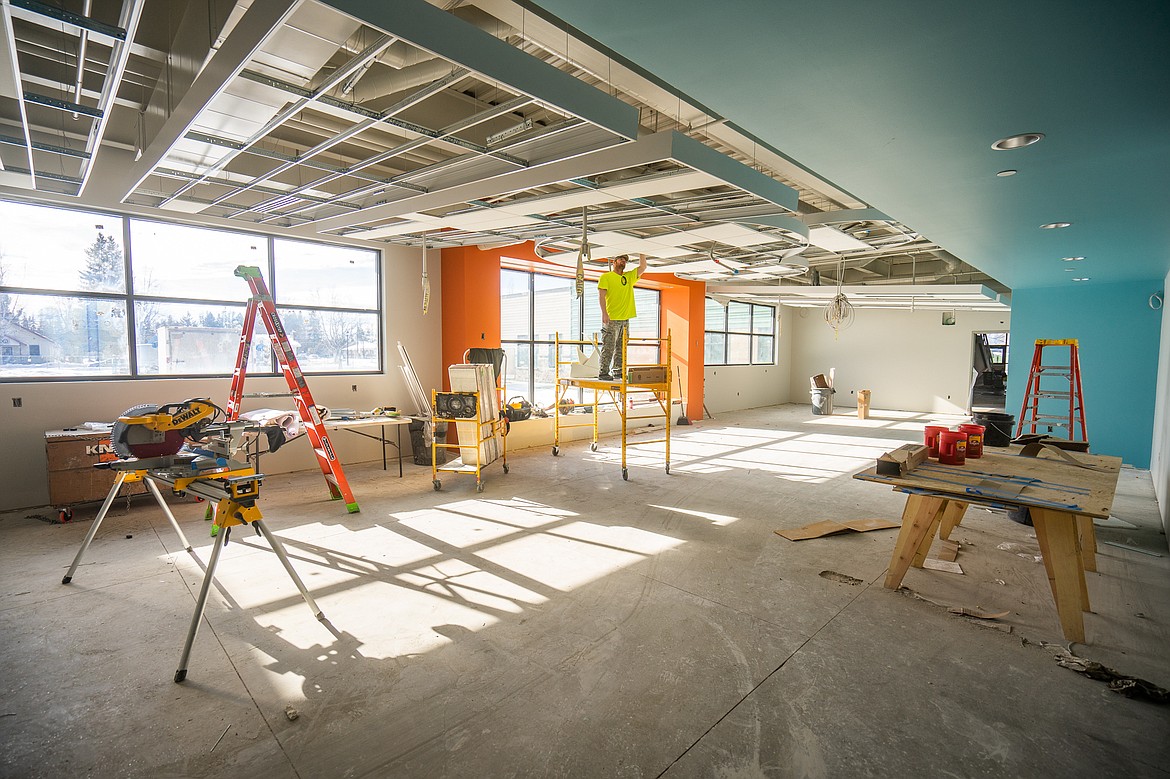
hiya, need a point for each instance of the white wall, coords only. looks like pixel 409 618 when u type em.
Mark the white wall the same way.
pixel 732 387
pixel 63 404
pixel 909 360
pixel 1160 448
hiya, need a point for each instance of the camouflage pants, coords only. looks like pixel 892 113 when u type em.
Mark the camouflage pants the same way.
pixel 611 346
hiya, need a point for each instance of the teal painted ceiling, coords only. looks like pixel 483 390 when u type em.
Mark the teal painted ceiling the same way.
pixel 898 102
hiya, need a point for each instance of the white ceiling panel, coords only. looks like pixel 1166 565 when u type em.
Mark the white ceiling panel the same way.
pixel 833 240
pixel 555 203
pixel 486 219
pixel 660 185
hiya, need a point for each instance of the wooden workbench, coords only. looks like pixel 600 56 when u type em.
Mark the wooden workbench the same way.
pixel 1062 498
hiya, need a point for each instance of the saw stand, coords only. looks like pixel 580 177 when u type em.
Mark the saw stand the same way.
pixel 234 494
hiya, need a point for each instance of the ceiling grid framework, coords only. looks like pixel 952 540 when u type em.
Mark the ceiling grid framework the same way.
pixel 471 123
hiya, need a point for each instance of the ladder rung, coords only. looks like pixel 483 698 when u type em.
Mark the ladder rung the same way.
pixel 1060 421
pixel 1047 394
pixel 1055 368
pixel 268 394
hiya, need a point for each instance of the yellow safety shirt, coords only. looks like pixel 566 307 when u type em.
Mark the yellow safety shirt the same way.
pixel 619 293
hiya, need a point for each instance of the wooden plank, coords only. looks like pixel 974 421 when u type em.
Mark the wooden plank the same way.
pixel 1056 531
pixel 916 520
pixel 928 539
pixel 941 565
pixel 952 516
pixel 1090 491
pixel 1087 535
pixel 947 550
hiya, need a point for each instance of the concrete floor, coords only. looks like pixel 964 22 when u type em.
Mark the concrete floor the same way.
pixel 567 623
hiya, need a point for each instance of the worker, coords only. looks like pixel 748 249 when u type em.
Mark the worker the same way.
pixel 615 292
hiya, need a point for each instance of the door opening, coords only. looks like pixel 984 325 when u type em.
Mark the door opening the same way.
pixel 989 371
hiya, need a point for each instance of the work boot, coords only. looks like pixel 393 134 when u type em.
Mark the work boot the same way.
pixel 603 376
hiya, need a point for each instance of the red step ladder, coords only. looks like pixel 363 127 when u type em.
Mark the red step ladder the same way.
pixel 261 301
pixel 1031 414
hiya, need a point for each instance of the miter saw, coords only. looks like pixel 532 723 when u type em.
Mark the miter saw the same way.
pixel 185 446
pixel 147 431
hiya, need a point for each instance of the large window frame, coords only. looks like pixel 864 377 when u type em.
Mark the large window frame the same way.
pixel 211 323
pixel 530 359
pixel 739 333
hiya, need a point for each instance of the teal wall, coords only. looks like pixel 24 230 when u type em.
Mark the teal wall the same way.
pixel 1118 334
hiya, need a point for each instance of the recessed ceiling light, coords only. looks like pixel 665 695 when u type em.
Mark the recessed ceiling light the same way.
pixel 1017 141
pixel 1072 259
pixel 1069 270
pixel 1055 225
pixel 1006 173
pixel 1080 278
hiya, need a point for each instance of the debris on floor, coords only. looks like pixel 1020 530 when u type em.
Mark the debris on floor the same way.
pixel 941 565
pixel 829 527
pixel 1129 686
pixel 976 616
pixel 1021 550
pixel 840 577
pixel 291 712
pixel 977 613
pixel 1131 548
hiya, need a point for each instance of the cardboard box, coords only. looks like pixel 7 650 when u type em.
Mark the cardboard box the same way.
pixel 71 455
pixel 647 374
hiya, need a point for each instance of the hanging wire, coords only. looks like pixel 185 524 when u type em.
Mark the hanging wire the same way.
pixel 426 282
pixel 583 254
pixel 839 313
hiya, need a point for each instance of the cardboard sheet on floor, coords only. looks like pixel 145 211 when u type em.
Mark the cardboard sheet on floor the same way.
pixel 828 527
pixel 941 565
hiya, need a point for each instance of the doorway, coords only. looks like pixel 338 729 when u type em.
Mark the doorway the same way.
pixel 989 362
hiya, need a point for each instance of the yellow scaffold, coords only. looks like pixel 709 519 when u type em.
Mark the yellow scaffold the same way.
pixel 636 380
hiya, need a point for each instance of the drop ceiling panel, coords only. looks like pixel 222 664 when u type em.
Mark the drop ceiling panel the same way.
pixel 486 219
pixel 680 182
pixel 556 203
pixel 728 233
pixel 833 240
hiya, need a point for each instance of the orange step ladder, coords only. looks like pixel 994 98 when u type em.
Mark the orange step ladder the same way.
pixel 261 301
pixel 1031 415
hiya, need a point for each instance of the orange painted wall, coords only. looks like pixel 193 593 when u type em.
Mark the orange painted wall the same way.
pixel 683 314
pixel 471 311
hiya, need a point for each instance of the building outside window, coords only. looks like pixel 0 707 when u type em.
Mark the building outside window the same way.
pixel 739 333
pixel 87 295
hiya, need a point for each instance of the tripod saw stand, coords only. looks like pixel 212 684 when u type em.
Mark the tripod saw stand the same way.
pixel 234 493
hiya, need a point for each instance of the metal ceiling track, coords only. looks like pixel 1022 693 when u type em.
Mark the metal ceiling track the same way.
pixel 335 79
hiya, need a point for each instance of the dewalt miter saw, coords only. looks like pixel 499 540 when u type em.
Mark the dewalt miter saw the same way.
pixel 148 431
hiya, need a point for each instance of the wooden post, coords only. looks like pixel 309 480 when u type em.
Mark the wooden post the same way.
pixel 917 518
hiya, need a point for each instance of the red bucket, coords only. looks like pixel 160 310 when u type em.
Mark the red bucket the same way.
pixel 930 438
pixel 974 439
pixel 952 447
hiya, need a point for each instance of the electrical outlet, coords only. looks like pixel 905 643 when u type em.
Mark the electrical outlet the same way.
pixel 17 402
pixel 353 387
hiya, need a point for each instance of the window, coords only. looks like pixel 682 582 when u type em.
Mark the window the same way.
pixel 85 295
pixel 535 307
pixel 739 333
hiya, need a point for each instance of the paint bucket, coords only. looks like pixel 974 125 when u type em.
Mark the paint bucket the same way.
pixel 930 438
pixel 974 440
pixel 952 447
pixel 998 427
